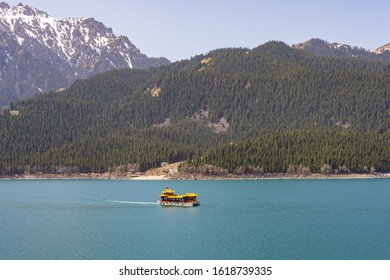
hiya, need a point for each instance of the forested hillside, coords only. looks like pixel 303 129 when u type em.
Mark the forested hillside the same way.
pixel 299 152
pixel 178 112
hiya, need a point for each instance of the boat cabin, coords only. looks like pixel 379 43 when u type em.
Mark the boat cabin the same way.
pixel 169 196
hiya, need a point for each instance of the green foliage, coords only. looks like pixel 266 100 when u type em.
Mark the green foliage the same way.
pixel 318 151
pixel 167 114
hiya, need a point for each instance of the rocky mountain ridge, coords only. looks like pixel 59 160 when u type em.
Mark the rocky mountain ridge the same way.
pixel 39 53
pixel 383 49
pixel 324 48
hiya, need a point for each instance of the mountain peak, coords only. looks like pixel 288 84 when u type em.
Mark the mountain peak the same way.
pixel 19 10
pixel 317 43
pixel 311 43
pixel 72 48
pixel 4 5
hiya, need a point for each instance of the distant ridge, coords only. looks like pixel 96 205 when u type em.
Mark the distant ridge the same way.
pixel 324 48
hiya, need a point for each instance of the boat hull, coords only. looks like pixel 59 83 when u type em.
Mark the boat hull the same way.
pixel 178 204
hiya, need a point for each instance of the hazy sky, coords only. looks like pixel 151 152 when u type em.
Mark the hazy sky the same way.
pixel 180 29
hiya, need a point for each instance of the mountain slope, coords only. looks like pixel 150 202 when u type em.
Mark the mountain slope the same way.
pixel 178 111
pixel 42 53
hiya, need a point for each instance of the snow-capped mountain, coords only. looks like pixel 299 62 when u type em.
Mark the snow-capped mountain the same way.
pixel 321 47
pixel 42 53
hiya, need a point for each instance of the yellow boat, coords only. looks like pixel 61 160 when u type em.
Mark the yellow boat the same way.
pixel 169 198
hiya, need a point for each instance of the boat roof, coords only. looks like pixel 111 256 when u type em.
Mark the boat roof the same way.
pixel 190 194
pixel 171 194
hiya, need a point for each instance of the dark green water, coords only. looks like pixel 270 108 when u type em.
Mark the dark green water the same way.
pixel 265 219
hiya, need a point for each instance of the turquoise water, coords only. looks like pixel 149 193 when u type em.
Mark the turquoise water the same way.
pixel 264 219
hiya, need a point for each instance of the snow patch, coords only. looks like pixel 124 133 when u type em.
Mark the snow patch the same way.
pixel 20 40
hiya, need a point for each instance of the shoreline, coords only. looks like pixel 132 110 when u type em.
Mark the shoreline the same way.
pixel 188 177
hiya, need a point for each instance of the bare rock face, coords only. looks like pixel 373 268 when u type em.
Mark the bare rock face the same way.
pixel 39 53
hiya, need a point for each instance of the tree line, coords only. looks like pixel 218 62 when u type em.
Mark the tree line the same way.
pixel 300 152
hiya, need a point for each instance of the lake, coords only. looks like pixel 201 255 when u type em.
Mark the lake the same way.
pixel 243 219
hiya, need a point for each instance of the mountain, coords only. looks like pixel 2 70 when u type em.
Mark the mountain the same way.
pixel 385 49
pixel 321 47
pixel 337 108
pixel 39 53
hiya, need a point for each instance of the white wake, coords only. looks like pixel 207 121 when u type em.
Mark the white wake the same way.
pixel 132 202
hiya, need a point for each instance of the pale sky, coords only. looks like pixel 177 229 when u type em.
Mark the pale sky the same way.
pixel 180 29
